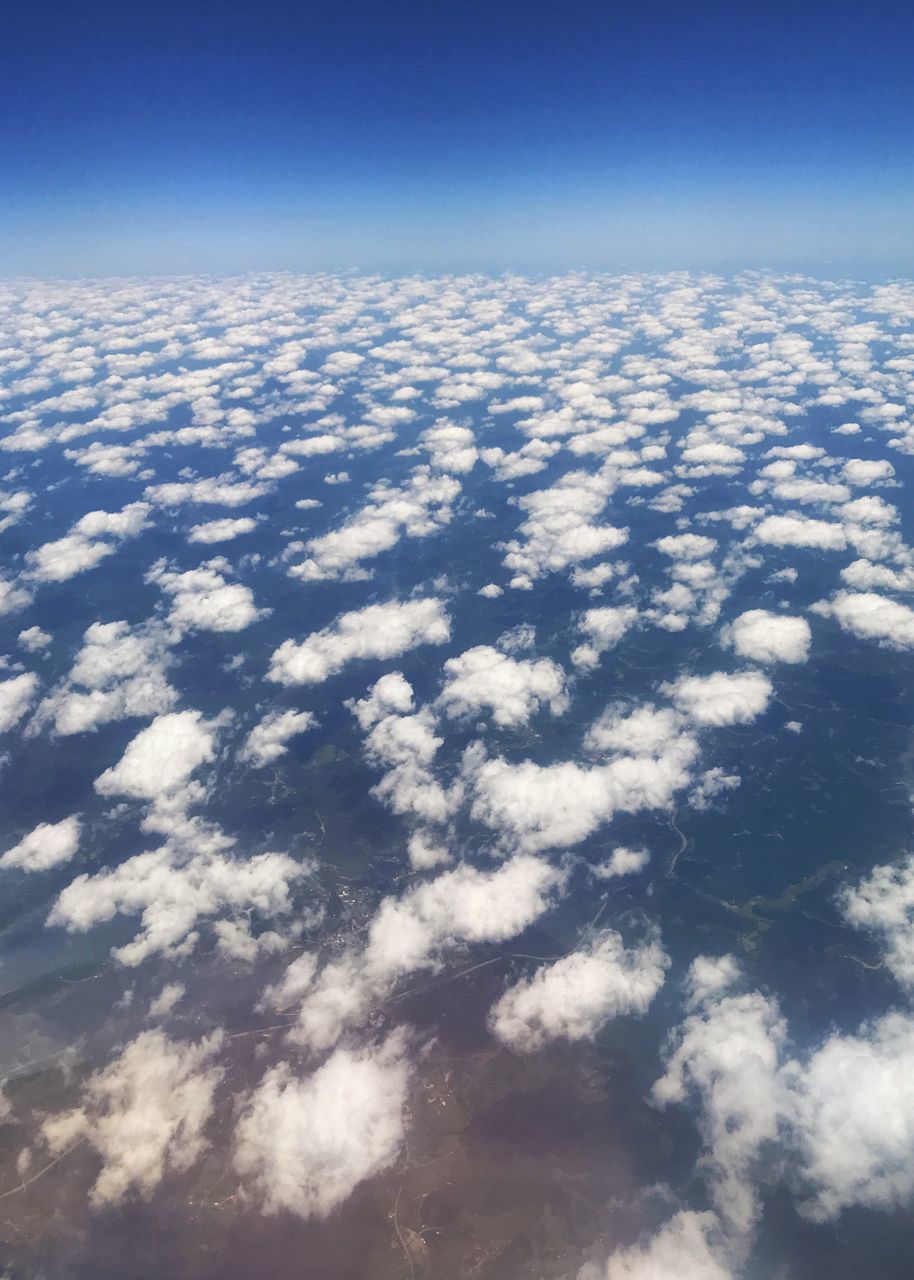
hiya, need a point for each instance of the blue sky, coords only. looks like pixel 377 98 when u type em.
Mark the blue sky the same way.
pixel 458 136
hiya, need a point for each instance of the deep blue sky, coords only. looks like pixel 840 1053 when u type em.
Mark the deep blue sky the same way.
pixel 394 136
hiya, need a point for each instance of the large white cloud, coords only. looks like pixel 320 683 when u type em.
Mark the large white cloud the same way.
pixel 304 1144
pixel 721 699
pixel 144 1114
pixel 768 637
pixel 377 631
pixel 16 696
pixel 871 617
pixel 512 689
pixel 573 998
pixel 48 845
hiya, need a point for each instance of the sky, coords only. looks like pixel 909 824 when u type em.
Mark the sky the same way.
pixel 397 137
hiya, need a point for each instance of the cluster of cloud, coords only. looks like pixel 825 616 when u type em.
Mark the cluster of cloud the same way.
pixel 665 419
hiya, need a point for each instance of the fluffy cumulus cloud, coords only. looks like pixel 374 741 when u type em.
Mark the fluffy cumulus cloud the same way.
pixel 159 761
pixel 768 637
pixel 222 530
pixel 604 628
pixel 119 673
pixel 690 1246
pixel 871 617
pixel 801 531
pixel 728 1053
pixel 576 996
pixel 636 443
pixel 16 696
pixel 48 845
pixel 417 930
pixel 94 537
pixel 853 1117
pixel 144 1115
pixel 304 1144
pixel 883 904
pixel 268 740
pixel 176 887
pixel 721 699
pixel 202 599
pixel 378 631
pixel 483 679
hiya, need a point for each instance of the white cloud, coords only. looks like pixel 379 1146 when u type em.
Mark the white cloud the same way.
pixel 553 806
pixel 34 640
pixel 605 627
pixel 728 1052
pixel 800 531
pixel 202 600
pixel 267 741
pixel 687 1247
pixel 871 617
pixel 221 530
pixel 621 862
pixel 512 689
pixel 883 903
pixel 686 546
pixel 378 631
pixel 16 696
pixel 768 637
pixel 144 1114
pixel 48 845
pixel 853 1119
pixel 573 998
pixel 172 889
pixel 161 758
pixel 119 672
pixel 304 1145
pixel 721 699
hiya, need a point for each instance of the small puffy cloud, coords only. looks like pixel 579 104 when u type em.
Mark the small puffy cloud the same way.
pixel 377 631
pixel 859 472
pixel 83 547
pixel 883 903
pixel 144 1114
pixel 16 696
pixel 267 741
pixel 48 845
pixel 853 1119
pixel 573 998
pixel 304 1145
pixel 688 1247
pixel 800 531
pixel 172 890
pixel 559 528
pixel 202 600
pixel 768 637
pixel 686 546
pixel 621 862
pixel 34 640
pixel 871 617
pixel 391 695
pixel 221 530
pixel 605 628
pixel 453 448
pixel 728 1053
pixel 721 699
pixel 161 758
pixel 12 597
pixel 553 806
pixel 512 689
pixel 119 672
